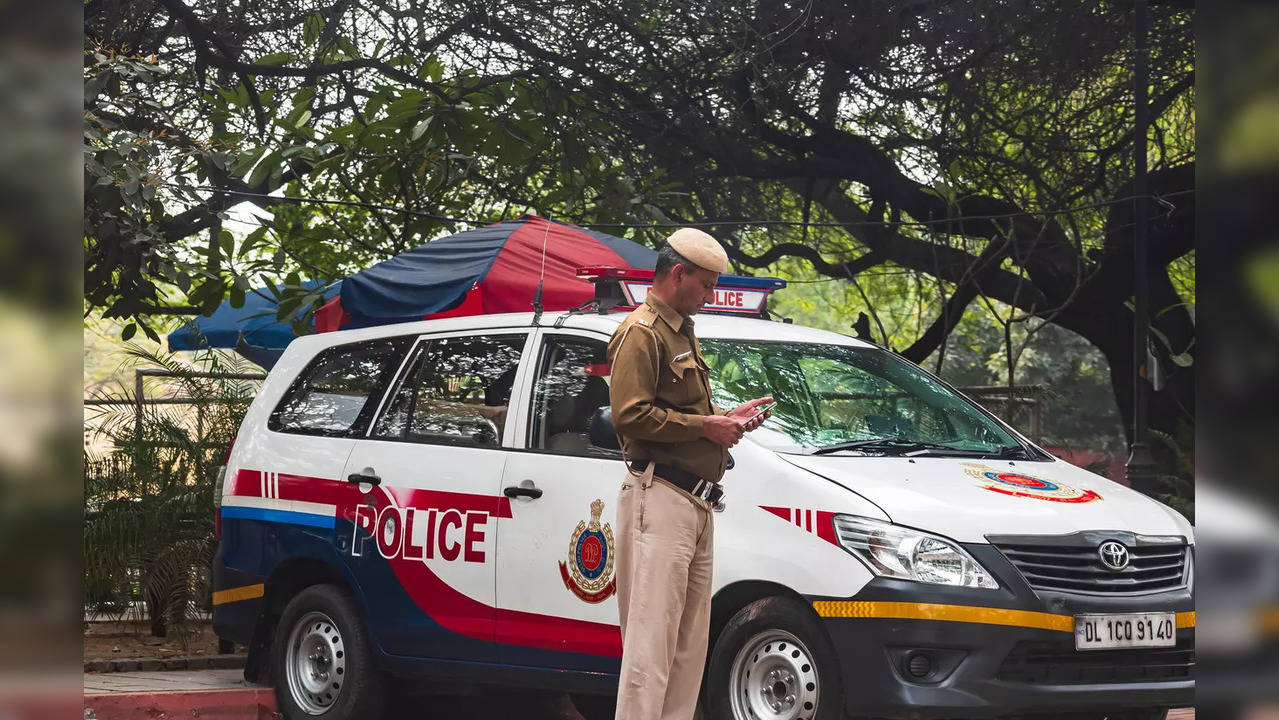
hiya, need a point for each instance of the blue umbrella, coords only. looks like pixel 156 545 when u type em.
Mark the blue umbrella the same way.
pixel 251 328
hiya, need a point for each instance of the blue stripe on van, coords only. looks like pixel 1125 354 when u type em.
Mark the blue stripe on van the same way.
pixel 280 516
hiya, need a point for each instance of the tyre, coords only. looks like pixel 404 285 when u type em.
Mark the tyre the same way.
pixel 321 659
pixel 773 661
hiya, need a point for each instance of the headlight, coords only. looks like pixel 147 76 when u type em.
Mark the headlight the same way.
pixel 898 552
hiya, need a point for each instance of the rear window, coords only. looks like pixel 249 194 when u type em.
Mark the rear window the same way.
pixel 338 392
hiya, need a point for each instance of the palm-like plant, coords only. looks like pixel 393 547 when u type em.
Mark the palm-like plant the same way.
pixel 149 531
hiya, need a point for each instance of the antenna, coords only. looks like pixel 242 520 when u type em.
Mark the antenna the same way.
pixel 541 280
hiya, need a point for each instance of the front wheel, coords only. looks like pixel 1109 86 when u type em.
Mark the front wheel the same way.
pixel 322 661
pixel 773 661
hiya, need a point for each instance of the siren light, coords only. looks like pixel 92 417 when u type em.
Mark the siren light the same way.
pixel 618 288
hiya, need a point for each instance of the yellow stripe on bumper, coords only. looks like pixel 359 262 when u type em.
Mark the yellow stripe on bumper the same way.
pixel 247 592
pixel 958 613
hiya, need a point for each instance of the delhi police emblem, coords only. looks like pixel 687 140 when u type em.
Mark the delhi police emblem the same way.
pixel 1027 486
pixel 588 574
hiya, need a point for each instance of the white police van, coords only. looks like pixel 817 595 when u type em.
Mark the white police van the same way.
pixel 436 500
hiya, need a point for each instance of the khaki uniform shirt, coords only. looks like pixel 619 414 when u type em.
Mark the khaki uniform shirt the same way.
pixel 659 388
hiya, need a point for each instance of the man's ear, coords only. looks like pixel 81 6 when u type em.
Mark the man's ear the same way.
pixel 678 271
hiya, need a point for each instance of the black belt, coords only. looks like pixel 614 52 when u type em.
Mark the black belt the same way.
pixel 707 490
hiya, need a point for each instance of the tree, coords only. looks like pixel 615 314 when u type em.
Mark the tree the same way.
pixel 980 148
pixel 985 145
pixel 190 110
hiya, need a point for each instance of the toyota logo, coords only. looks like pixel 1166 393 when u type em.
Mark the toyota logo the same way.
pixel 1113 555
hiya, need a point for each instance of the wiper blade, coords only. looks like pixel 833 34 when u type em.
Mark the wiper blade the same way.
pixel 1008 451
pixel 898 446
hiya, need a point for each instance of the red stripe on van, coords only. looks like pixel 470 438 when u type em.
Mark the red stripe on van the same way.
pixel 826 527
pixel 248 483
pixel 783 513
pixel 460 613
pixel 444 604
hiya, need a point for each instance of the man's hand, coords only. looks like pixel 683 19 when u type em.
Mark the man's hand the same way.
pixel 722 430
pixel 747 409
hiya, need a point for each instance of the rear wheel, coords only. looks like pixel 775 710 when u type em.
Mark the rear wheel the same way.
pixel 773 661
pixel 323 664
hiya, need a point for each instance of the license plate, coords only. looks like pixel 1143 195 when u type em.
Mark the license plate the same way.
pixel 1135 630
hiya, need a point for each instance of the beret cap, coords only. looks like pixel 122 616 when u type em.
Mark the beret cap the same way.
pixel 699 248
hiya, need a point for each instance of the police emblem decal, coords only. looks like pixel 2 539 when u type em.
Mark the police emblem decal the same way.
pixel 1026 486
pixel 588 574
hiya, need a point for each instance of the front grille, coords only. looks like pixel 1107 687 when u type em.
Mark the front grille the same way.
pixel 1056 662
pixel 1078 568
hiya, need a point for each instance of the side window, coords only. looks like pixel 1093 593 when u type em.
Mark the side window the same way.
pixel 457 390
pixel 570 387
pixel 338 391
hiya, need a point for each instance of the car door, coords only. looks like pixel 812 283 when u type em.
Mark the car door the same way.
pixel 555 554
pixel 423 540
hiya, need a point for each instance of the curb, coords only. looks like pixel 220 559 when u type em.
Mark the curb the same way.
pixel 192 662
pixel 236 704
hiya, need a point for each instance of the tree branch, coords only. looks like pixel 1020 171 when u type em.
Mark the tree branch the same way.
pixel 781 250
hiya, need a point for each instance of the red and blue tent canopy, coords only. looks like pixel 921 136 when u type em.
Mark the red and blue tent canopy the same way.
pixel 252 329
pixel 493 269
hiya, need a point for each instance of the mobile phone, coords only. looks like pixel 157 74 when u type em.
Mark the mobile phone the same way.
pixel 763 409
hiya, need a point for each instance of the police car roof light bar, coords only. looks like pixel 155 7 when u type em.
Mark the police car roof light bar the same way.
pixel 624 288
pixel 601 272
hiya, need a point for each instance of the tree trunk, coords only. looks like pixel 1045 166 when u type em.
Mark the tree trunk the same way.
pixel 155 612
pixel 1170 407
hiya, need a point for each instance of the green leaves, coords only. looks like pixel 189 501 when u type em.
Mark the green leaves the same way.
pixel 226 242
pixel 420 128
pixel 149 190
pixel 279 58
pixel 244 161
pixel 432 69
pixel 267 166
pixel 95 84
pixel 148 532
pixel 312 27
pixel 207 294
pixel 251 241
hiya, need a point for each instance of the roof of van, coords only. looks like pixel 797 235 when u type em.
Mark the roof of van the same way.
pixel 709 326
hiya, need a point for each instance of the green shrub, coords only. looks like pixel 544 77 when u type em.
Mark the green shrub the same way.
pixel 149 530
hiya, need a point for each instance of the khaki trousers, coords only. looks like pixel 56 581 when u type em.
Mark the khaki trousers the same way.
pixel 665 542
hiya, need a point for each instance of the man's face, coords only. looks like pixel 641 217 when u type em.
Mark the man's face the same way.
pixel 694 287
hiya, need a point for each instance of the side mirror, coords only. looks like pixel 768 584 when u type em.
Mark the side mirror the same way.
pixel 601 429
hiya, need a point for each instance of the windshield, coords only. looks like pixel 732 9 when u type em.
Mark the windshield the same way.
pixel 832 394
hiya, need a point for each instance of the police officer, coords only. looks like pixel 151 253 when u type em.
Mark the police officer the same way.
pixel 675 442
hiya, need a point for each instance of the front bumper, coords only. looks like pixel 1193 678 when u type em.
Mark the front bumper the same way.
pixel 981 671
pixel 993 653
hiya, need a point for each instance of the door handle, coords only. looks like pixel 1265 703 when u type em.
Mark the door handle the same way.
pixel 517 491
pixel 358 478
